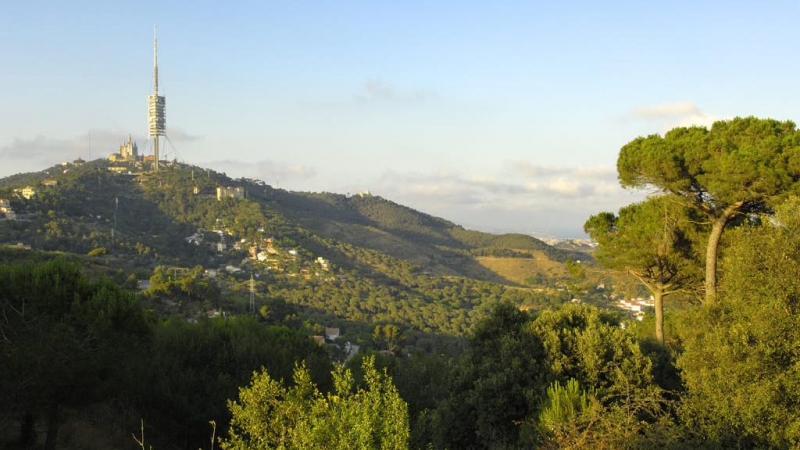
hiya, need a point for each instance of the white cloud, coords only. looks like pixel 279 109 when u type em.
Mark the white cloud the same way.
pixel 667 110
pixel 377 90
pixel 567 187
pixel 595 171
pixel 540 186
pixel 531 170
pixel 271 172
pixel 179 134
pixel 606 188
pixel 483 179
pixel 678 114
pixel 524 198
pixel 700 119
pixel 34 154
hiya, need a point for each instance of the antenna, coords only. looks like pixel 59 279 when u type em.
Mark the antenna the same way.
pixel 156 107
pixel 155 61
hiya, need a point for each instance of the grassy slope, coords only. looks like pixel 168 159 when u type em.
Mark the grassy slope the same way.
pixel 518 270
pixel 438 246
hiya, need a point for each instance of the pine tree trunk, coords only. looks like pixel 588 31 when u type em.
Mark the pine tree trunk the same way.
pixel 711 259
pixel 52 428
pixel 658 296
pixel 27 431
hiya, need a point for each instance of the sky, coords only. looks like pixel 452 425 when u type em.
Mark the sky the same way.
pixel 500 116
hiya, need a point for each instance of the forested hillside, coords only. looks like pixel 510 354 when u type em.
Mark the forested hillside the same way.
pixel 196 311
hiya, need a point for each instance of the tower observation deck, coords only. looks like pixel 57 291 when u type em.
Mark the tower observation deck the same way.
pixel 156 108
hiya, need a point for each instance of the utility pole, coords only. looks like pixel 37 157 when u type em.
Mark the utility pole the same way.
pixel 116 207
pixel 252 294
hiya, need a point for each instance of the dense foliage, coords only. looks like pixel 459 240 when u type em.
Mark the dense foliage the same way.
pixel 69 342
pixel 427 357
pixel 64 340
pixel 738 167
pixel 740 361
pixel 655 242
pixel 269 415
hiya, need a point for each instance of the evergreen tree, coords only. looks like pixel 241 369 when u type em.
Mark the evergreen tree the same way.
pixel 650 240
pixel 738 167
pixel 269 415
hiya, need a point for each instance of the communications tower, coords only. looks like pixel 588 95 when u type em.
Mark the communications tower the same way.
pixel 156 107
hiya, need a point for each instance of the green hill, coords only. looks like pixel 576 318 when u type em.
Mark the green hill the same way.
pixel 354 259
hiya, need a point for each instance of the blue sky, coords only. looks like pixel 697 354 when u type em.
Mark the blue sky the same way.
pixel 499 116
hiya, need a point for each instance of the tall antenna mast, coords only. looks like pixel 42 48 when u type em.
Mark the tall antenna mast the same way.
pixel 155 61
pixel 156 107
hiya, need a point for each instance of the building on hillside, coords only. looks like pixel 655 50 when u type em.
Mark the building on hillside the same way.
pixel 50 182
pixel 27 192
pixel 6 210
pixel 196 238
pixel 128 152
pixel 20 246
pixel 324 263
pixel 229 192
pixel 331 334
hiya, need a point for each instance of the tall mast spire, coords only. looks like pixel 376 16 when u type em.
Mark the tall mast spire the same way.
pixel 155 61
pixel 156 105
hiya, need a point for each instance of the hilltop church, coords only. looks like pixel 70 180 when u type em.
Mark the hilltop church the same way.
pixel 128 152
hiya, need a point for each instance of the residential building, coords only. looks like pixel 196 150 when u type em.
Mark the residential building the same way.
pixel 229 192
pixel 27 192
pixel 331 333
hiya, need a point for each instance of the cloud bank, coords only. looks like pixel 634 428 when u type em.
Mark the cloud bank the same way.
pixel 34 154
pixel 677 114
pixel 522 197
pixel 269 171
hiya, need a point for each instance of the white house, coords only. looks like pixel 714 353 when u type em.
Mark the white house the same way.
pixel 331 333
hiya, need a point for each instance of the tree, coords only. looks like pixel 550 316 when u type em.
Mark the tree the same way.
pixel 387 337
pixel 61 340
pixel 587 344
pixel 494 386
pixel 737 168
pixel 621 406
pixel 740 359
pixel 269 415
pixel 649 241
pixel 192 369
